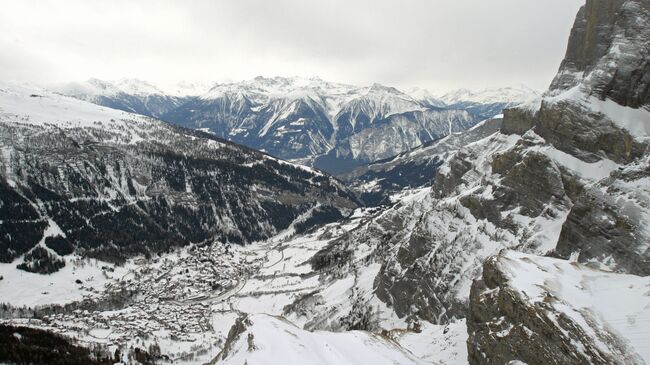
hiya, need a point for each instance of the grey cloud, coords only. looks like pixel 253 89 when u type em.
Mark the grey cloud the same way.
pixel 434 44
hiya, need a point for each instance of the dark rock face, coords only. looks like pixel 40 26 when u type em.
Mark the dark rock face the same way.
pixel 590 38
pixel 150 105
pixel 607 57
pixel 587 136
pixel 516 121
pixel 111 200
pixel 606 223
pixel 503 326
pixel 530 184
pixel 622 75
pixel 414 282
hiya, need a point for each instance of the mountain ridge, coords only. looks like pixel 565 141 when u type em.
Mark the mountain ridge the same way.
pixel 66 161
pixel 308 120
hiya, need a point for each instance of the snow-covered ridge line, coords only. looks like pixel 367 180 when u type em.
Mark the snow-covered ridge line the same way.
pixel 267 340
pixel 40 107
pixel 635 120
pixel 591 298
pixel 511 95
pixel 96 87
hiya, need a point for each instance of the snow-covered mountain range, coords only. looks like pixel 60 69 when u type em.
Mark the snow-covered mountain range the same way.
pixel 134 95
pixel 65 162
pixel 519 239
pixel 332 126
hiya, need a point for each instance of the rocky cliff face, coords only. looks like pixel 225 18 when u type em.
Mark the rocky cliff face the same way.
pixel 606 66
pixel 548 311
pixel 81 178
pixel 597 109
pixel 608 52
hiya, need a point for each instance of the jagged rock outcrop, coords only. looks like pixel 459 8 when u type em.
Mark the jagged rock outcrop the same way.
pixel 596 113
pixel 549 311
pixel 607 61
pixel 608 221
pixel 597 109
pixel 609 51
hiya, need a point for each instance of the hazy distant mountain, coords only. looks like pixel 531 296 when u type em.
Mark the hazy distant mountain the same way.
pixel 133 95
pixel 488 102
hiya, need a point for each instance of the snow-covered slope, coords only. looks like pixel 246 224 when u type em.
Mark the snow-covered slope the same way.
pixel 565 175
pixel 426 97
pixel 488 102
pixel 597 317
pixel 267 340
pixel 133 95
pixel 510 95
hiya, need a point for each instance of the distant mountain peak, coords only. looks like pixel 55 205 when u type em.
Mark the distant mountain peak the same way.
pixel 137 86
pixel 377 87
pixel 130 86
pixel 425 97
pixel 507 94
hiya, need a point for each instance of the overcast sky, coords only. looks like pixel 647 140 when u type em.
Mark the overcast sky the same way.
pixel 434 44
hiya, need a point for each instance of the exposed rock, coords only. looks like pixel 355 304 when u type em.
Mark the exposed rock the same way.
pixel 516 121
pixel 508 320
pixel 589 136
pixel 610 47
pixel 242 323
pixel 608 222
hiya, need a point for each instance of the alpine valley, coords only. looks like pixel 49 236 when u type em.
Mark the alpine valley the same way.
pixel 202 224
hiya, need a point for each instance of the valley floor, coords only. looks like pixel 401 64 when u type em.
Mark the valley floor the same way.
pixel 183 304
